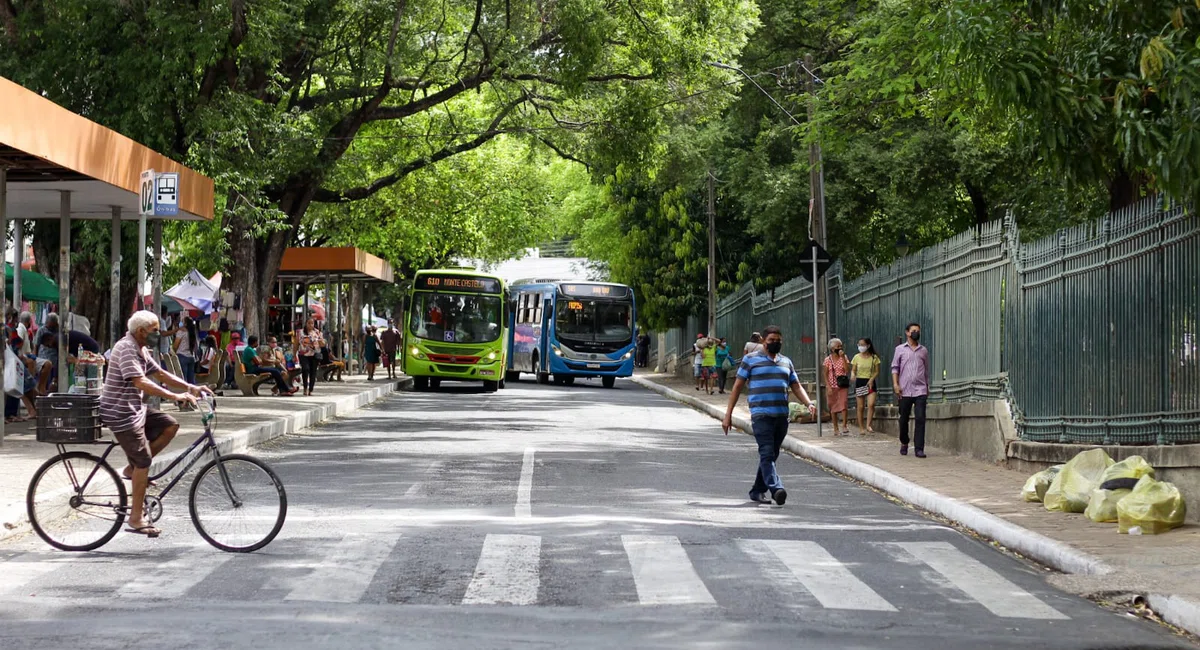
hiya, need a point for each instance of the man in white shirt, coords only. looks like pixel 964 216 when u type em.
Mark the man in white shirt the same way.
pixel 24 324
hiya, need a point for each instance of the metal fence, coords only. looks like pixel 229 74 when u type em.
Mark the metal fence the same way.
pixel 1093 334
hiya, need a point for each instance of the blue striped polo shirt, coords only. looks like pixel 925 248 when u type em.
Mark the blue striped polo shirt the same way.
pixel 767 383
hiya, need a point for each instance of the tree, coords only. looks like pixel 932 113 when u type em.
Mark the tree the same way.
pixel 271 97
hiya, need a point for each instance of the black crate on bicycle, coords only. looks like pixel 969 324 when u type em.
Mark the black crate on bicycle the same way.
pixel 68 418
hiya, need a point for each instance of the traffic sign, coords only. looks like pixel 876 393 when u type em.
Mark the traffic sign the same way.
pixel 146 196
pixel 824 260
pixel 166 195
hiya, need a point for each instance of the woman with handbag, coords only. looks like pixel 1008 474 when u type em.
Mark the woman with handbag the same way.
pixel 724 365
pixel 866 366
pixel 837 379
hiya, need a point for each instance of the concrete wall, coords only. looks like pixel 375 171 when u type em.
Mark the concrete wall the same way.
pixel 1179 464
pixel 976 429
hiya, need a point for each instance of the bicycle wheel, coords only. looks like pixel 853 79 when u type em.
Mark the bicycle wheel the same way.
pixel 241 514
pixel 76 502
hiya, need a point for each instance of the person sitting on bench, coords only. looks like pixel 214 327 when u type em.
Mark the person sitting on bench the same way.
pixel 257 366
pixel 331 365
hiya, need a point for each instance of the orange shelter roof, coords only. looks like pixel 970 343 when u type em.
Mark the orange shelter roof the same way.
pixel 350 263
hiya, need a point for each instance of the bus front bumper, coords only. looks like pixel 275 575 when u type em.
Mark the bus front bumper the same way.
pixel 493 371
pixel 562 366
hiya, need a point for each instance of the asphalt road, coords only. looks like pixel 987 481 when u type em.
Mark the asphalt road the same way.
pixel 546 516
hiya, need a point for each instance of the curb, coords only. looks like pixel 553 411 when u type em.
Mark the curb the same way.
pixel 16 520
pixel 1026 542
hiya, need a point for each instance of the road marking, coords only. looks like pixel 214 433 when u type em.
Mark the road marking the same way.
pixel 828 580
pixel 18 574
pixel 344 575
pixel 431 471
pixel 173 579
pixel 982 584
pixel 525 487
pixel 507 572
pixel 662 572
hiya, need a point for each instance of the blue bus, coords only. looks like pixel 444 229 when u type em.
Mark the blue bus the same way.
pixel 568 329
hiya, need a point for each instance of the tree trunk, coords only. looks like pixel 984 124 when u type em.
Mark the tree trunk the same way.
pixel 1124 189
pixel 978 203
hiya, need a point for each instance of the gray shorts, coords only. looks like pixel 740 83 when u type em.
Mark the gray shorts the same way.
pixel 136 442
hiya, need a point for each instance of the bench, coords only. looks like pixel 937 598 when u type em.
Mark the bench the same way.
pixel 215 378
pixel 249 384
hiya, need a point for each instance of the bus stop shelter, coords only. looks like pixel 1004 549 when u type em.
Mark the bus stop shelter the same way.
pixel 335 267
pixel 55 164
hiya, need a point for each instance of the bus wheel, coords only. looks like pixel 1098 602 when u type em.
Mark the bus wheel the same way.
pixel 491 386
pixel 559 380
pixel 512 375
pixel 421 383
pixel 503 384
pixel 435 383
pixel 568 380
pixel 609 382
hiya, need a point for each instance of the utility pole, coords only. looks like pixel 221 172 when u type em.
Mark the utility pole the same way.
pixel 712 257
pixel 816 184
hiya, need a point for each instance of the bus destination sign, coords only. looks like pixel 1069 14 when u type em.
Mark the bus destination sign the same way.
pixel 464 283
pixel 595 291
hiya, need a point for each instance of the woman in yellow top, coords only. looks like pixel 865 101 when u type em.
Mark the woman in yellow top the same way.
pixel 709 364
pixel 865 366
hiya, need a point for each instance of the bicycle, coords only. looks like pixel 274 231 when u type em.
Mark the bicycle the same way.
pixel 77 501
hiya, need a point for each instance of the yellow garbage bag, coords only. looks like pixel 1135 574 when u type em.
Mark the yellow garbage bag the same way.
pixel 1035 488
pixel 1102 508
pixel 1072 487
pixel 1125 474
pixel 1153 506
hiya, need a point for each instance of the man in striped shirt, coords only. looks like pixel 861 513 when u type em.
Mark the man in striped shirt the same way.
pixel 141 432
pixel 767 376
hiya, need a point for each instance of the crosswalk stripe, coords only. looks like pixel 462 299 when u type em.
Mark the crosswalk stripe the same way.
pixel 662 572
pixel 14 575
pixel 827 579
pixel 507 572
pixel 344 575
pixel 173 579
pixel 984 585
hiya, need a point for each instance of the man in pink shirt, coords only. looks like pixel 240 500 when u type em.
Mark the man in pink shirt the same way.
pixel 910 380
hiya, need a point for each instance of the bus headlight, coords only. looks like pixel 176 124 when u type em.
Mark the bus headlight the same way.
pixel 492 355
pixel 627 355
pixel 557 351
pixel 416 353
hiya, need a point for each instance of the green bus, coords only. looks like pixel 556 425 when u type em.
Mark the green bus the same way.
pixel 456 329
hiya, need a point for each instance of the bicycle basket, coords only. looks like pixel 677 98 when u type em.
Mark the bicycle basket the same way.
pixel 68 418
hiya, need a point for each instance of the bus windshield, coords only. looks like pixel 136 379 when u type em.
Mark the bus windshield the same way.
pixel 455 318
pixel 594 321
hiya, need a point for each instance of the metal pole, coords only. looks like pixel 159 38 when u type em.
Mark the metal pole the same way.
pixel 114 290
pixel 712 257
pixel 328 330
pixel 16 267
pixel 816 184
pixel 64 286
pixel 156 298
pixel 816 347
pixel 141 263
pixel 18 260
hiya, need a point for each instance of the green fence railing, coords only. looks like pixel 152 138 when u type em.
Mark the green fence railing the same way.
pixel 1093 334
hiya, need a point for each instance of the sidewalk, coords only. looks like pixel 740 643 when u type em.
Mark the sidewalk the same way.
pixel 985 498
pixel 241 422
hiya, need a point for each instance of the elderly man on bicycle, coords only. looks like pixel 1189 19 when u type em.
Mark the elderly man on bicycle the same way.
pixel 142 432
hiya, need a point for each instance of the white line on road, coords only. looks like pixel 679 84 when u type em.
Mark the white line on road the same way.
pixel 344 575
pixel 173 579
pixel 431 471
pixel 662 572
pixel 507 572
pixel 525 487
pixel 976 580
pixel 828 580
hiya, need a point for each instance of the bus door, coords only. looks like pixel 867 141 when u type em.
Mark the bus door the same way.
pixel 544 341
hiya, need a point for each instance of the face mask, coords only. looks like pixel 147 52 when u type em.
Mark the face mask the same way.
pixel 862 348
pixel 774 347
pixel 915 336
pixel 152 339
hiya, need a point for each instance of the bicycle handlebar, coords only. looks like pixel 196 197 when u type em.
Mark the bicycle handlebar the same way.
pixel 207 404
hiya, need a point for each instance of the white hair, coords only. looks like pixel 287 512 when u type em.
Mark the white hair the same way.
pixel 51 319
pixel 834 341
pixel 25 317
pixel 141 320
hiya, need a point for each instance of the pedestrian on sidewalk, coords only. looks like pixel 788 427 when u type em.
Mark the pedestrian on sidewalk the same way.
pixel 390 342
pixel 837 386
pixel 768 376
pixel 371 352
pixel 865 368
pixel 753 346
pixel 698 360
pixel 310 342
pixel 643 350
pixel 709 369
pixel 722 360
pixel 910 380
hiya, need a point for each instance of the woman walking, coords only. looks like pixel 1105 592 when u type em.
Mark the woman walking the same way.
pixel 753 346
pixel 837 378
pixel 722 359
pixel 310 347
pixel 371 352
pixel 866 371
pixel 709 369
pixel 186 347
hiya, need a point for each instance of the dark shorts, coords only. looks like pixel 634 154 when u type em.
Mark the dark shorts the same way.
pixel 860 384
pixel 136 443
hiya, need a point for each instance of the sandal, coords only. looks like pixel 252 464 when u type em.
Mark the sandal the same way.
pixel 147 530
